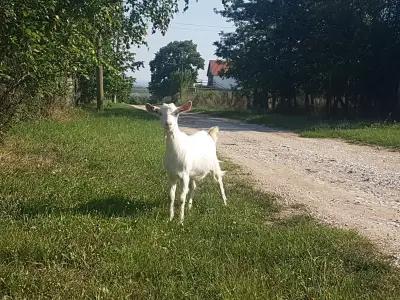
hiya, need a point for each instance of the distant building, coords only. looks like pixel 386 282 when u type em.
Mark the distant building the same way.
pixel 214 78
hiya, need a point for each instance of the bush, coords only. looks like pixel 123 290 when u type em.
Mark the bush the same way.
pixel 24 102
pixel 139 99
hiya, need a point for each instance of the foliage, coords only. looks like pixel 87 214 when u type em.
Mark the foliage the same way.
pixel 343 51
pixel 175 66
pixel 182 80
pixel 139 99
pixel 140 95
pixel 72 228
pixel 43 42
pixel 117 86
pixel 217 99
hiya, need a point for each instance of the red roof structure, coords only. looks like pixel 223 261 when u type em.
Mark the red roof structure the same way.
pixel 215 67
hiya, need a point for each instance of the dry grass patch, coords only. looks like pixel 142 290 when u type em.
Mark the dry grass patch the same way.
pixel 13 157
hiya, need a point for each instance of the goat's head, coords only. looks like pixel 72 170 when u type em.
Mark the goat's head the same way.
pixel 169 113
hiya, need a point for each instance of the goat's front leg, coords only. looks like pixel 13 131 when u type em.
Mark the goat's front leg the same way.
pixel 191 193
pixel 221 186
pixel 185 190
pixel 172 192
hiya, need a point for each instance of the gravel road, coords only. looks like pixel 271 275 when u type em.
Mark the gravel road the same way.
pixel 343 184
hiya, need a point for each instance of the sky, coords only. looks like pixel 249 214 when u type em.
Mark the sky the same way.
pixel 199 24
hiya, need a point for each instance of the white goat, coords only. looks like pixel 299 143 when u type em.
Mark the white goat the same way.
pixel 188 157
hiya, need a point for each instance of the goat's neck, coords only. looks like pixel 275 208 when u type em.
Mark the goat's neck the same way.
pixel 174 138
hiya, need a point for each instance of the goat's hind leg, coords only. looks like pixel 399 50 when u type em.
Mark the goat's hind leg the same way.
pixel 191 192
pixel 172 193
pixel 185 190
pixel 221 186
pixel 218 177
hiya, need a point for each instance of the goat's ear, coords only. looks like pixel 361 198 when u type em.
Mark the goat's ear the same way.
pixel 151 108
pixel 184 107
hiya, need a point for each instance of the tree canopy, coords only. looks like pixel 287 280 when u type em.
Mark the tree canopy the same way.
pixel 346 52
pixel 174 66
pixel 45 42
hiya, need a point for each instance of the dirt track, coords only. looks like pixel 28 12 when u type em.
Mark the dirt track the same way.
pixel 342 184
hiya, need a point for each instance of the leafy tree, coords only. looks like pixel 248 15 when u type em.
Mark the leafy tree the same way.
pixel 182 80
pixel 125 22
pixel 345 52
pixel 174 67
pixel 117 87
pixel 45 43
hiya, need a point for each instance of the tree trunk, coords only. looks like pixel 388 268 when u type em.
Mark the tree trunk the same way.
pixel 335 105
pixel 273 102
pixel 312 100
pixel 328 104
pixel 307 103
pixel 344 104
pixel 76 91
pixel 99 77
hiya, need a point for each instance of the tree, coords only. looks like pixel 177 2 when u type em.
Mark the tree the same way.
pixel 117 87
pixel 342 51
pixel 125 23
pixel 174 67
pixel 182 81
pixel 46 43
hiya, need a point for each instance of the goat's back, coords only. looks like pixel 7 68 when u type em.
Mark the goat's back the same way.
pixel 203 155
pixel 196 154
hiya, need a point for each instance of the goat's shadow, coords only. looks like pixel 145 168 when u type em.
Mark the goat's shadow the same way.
pixel 126 112
pixel 113 206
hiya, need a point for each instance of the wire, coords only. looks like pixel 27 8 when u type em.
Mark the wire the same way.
pixel 192 29
pixel 204 25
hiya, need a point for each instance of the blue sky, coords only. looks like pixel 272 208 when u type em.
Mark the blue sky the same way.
pixel 199 24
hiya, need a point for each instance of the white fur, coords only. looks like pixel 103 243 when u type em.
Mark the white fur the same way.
pixel 188 158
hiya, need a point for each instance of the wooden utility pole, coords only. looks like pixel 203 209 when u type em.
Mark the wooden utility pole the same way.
pixel 99 76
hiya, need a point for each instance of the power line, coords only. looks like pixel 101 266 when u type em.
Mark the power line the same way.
pixel 192 29
pixel 204 25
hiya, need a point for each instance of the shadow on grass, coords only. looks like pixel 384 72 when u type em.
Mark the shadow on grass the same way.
pixel 118 110
pixel 125 111
pixel 113 206
pixel 295 123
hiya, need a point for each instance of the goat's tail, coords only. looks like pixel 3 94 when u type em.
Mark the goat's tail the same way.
pixel 213 132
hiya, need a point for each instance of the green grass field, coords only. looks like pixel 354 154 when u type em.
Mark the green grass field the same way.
pixel 84 209
pixel 363 132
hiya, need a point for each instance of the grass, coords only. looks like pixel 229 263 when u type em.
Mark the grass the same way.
pixel 83 214
pixel 363 132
